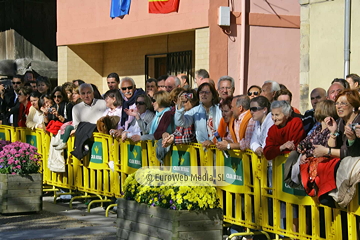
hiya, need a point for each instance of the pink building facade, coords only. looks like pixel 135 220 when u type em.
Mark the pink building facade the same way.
pixel 262 42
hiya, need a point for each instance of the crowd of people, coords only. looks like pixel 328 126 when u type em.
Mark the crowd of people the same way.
pixel 170 111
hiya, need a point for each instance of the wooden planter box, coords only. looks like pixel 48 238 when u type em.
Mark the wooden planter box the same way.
pixel 140 222
pixel 20 193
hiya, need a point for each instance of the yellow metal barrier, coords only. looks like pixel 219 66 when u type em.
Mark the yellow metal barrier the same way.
pixel 7 133
pixel 241 201
pixel 251 201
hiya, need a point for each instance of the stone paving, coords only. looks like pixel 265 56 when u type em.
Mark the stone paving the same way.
pixel 58 221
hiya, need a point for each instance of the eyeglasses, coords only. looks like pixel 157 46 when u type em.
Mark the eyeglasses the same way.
pixel 341 104
pixel 255 109
pixel 129 88
pixel 223 88
pixel 57 96
pixel 140 103
pixel 16 83
pixel 204 92
pixel 251 93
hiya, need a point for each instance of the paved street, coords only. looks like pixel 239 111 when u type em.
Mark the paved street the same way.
pixel 58 221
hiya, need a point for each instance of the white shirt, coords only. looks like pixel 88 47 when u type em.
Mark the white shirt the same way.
pixel 259 136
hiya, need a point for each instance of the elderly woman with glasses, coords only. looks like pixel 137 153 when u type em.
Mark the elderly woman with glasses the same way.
pixel 285 134
pixel 205 117
pixel 143 115
pixel 343 141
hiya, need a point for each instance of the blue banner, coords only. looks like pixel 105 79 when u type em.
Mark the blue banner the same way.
pixel 119 8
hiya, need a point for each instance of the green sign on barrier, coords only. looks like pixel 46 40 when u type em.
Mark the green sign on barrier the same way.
pixel 134 158
pixel 96 153
pixel 2 136
pixel 180 162
pixel 286 188
pixel 31 139
pixel 235 177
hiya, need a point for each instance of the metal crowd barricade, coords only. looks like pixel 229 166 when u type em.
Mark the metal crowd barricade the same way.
pixel 8 133
pixel 250 201
pixel 290 212
pixel 92 173
pixel 241 199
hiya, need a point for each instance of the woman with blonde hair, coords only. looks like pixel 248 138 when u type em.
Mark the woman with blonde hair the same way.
pixel 318 171
pixel 163 120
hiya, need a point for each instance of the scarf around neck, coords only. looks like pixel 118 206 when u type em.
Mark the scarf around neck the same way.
pixel 156 120
pixel 127 103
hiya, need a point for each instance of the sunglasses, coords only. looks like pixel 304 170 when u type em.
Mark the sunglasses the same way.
pixel 57 96
pixel 129 88
pixel 251 93
pixel 255 109
pixel 153 100
pixel 140 103
pixel 16 83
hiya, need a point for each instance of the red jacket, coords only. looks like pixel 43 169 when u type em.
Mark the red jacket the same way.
pixel 293 130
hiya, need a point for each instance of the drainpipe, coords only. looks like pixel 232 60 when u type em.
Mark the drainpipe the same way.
pixel 347 38
pixel 242 46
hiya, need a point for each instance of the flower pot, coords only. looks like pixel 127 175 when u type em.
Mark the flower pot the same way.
pixel 140 221
pixel 20 193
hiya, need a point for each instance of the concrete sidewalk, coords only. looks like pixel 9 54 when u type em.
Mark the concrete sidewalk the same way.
pixel 58 221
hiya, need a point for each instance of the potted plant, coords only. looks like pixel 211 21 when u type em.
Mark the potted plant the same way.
pixel 20 180
pixel 168 210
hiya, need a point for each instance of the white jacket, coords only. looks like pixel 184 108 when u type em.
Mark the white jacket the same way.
pixel 258 138
pixel 197 116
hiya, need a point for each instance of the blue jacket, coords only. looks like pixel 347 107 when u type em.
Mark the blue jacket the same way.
pixel 197 116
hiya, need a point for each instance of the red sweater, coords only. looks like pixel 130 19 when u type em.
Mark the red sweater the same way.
pixel 293 130
pixel 23 113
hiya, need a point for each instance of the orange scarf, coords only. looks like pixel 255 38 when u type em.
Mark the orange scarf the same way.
pixel 243 124
pixel 223 126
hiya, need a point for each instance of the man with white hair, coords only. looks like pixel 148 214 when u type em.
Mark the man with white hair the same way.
pixel 334 90
pixel 129 94
pixel 226 87
pixel 91 109
pixel 172 82
pixel 269 90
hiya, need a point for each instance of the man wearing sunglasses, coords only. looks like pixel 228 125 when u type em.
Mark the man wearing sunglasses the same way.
pixel 129 93
pixel 10 104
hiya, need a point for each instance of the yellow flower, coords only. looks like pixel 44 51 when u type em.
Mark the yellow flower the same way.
pixel 179 201
pixel 164 201
pixel 189 206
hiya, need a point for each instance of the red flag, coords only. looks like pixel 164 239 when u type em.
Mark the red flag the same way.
pixel 163 6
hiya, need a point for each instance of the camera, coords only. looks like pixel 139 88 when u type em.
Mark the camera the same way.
pixel 188 95
pixel 353 125
pixel 50 110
